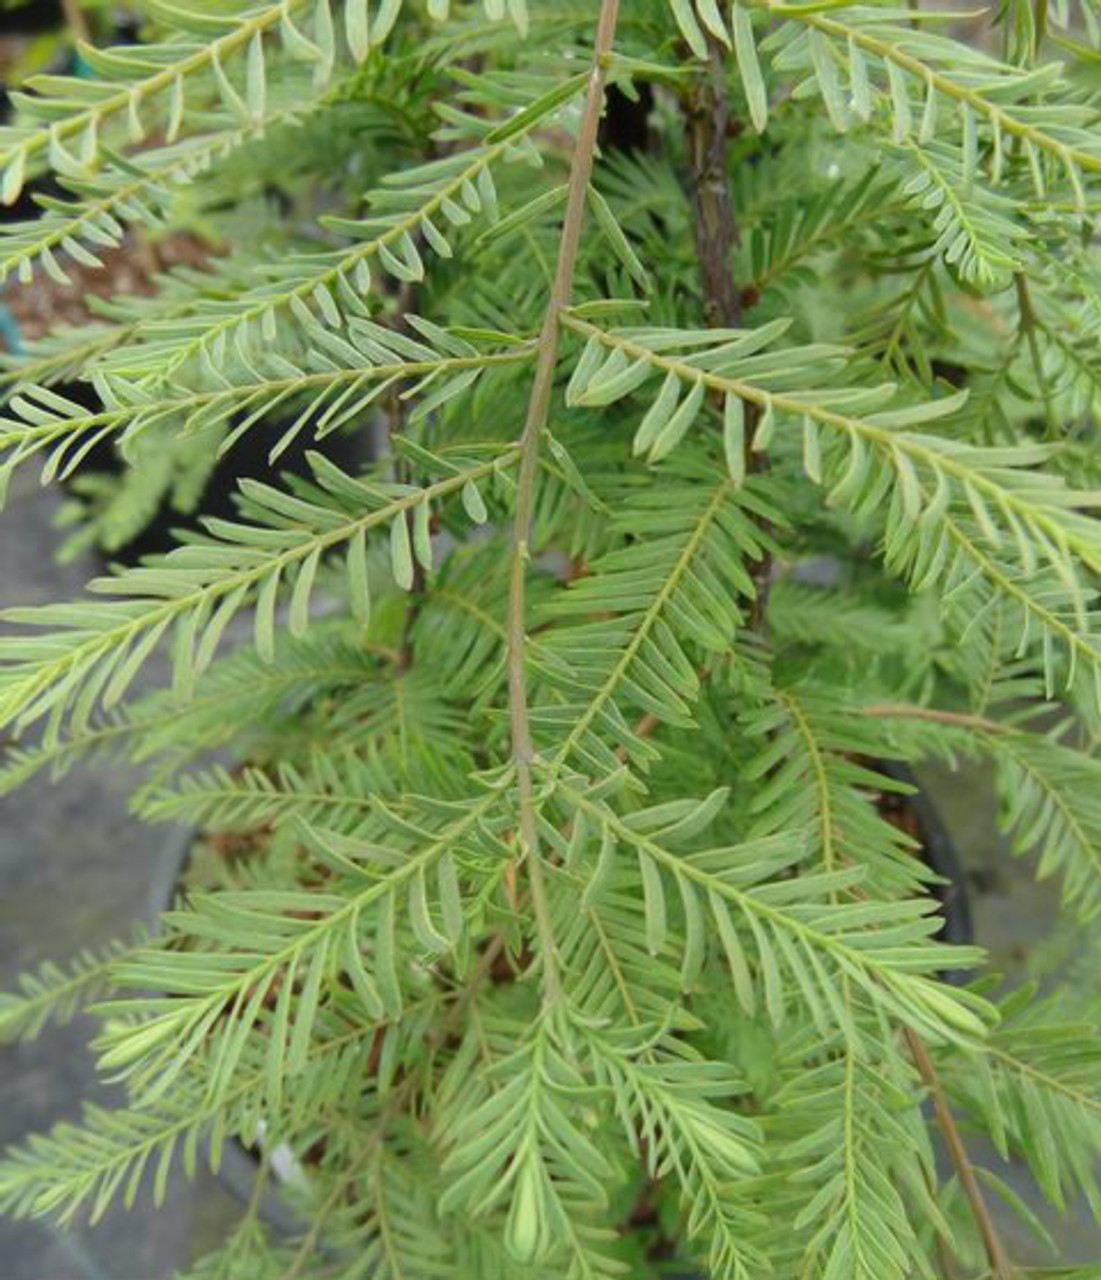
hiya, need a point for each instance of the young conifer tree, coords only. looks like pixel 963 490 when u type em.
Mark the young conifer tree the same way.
pixel 740 438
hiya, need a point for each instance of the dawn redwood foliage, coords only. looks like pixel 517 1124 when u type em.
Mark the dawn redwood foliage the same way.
pixel 737 368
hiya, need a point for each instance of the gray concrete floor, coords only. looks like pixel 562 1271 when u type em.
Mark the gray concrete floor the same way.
pixel 76 870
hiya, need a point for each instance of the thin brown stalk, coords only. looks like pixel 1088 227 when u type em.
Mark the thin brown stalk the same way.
pixel 538 408
pixel 1001 1268
pixel 907 711
pixel 717 235
pixel 709 126
pixel 326 1209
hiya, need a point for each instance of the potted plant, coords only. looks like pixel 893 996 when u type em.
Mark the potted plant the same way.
pixel 731 469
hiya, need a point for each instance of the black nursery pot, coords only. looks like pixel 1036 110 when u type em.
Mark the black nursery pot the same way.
pixel 32 18
pixel 36 17
pixel 919 815
pixel 246 460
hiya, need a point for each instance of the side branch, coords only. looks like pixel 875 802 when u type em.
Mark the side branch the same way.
pixel 717 235
pixel 538 408
pixel 1000 1266
pixel 959 719
pixel 709 125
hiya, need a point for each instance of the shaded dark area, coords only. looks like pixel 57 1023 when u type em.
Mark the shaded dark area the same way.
pixel 30 17
pixel 625 125
pixel 246 460
pixel 919 817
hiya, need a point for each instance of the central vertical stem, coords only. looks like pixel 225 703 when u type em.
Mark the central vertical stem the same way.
pixel 538 409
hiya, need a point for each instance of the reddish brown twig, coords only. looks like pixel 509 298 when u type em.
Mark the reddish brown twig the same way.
pixel 1000 1266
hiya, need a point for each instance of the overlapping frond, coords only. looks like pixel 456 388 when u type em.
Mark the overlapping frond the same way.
pixel 463 638
pixel 238 686
pixel 1050 805
pixel 335 791
pixel 1065 313
pixel 845 622
pixel 137 90
pixel 97 649
pixel 859 1162
pixel 976 229
pixel 815 764
pixel 138 191
pixel 335 383
pixel 68 353
pixel 518 1141
pixel 775 952
pixel 108 1155
pixel 250 1247
pixel 1046 786
pixel 395 732
pixel 614 976
pixel 418 210
pixel 400 1235
pixel 872 63
pixel 955 511
pixel 51 994
pixel 86 1166
pixel 670 1103
pixel 394 890
pixel 674 584
pixel 855 1138
pixel 1040 611
pixel 1036 1086
pixel 782 245
pixel 206 63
